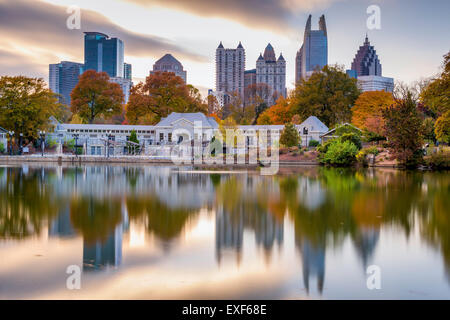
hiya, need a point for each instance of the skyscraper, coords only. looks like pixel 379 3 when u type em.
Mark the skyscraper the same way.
pixel 366 62
pixel 272 71
pixel 63 77
pixel 313 53
pixel 230 68
pixel 366 67
pixel 102 53
pixel 127 71
pixel 168 63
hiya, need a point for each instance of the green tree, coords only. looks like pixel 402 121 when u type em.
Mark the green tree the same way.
pixel 26 105
pixel 133 138
pixel 95 96
pixel 289 137
pixel 403 128
pixel 328 94
pixel 353 138
pixel 436 94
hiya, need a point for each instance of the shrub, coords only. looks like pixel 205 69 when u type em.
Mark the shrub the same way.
pixel 324 147
pixel 340 153
pixel 70 144
pixel 439 160
pixel 361 157
pixel 290 137
pixel 2 148
pixel 353 138
pixel 313 143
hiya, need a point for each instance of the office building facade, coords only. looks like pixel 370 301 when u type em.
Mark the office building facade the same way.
pixel 168 63
pixel 63 77
pixel 313 54
pixel 272 71
pixel 104 54
pixel 230 68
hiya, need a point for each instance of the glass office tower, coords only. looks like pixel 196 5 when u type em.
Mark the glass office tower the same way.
pixel 102 53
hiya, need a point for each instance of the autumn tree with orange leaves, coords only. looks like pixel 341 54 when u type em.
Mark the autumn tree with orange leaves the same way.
pixel 95 96
pixel 367 111
pixel 280 113
pixel 161 94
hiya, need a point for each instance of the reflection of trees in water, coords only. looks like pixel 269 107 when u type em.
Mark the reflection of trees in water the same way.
pixel 95 218
pixel 26 202
pixel 164 222
pixel 359 203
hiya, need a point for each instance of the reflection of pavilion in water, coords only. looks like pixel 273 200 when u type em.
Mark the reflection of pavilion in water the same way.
pixel 187 190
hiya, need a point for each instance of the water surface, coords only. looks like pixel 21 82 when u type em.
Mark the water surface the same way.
pixel 157 232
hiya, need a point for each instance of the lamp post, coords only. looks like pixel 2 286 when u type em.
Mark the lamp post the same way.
pixel 42 135
pixel 76 135
pixel 11 136
pixel 108 136
pixel 305 132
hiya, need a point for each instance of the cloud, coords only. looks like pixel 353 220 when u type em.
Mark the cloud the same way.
pixel 41 29
pixel 275 15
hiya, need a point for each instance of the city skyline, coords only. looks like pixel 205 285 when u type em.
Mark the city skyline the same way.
pixel 146 40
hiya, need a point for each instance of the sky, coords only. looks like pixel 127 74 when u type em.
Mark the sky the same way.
pixel 411 41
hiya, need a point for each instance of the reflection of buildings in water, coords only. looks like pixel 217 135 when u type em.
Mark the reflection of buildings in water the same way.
pixel 229 235
pixel 230 232
pixel 313 262
pixel 107 253
pixel 61 226
pixel 310 193
pixel 365 243
pixel 100 255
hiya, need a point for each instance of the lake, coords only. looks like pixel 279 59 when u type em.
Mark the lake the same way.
pixel 166 232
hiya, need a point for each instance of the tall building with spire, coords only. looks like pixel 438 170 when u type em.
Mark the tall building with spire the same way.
pixel 230 68
pixel 366 67
pixel 366 62
pixel 313 53
pixel 272 71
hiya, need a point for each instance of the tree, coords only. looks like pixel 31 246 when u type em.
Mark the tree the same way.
pixel 366 113
pixel 428 129
pixel 161 94
pixel 95 96
pixel 436 94
pixel 26 105
pixel 280 113
pixel 133 138
pixel 403 128
pixel 289 136
pixel 328 94
pixel 442 128
pixel 242 113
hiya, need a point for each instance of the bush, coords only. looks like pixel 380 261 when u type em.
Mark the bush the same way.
pixel 361 157
pixel 340 153
pixel 353 138
pixel 2 148
pixel 439 160
pixel 290 137
pixel 313 143
pixel 324 147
